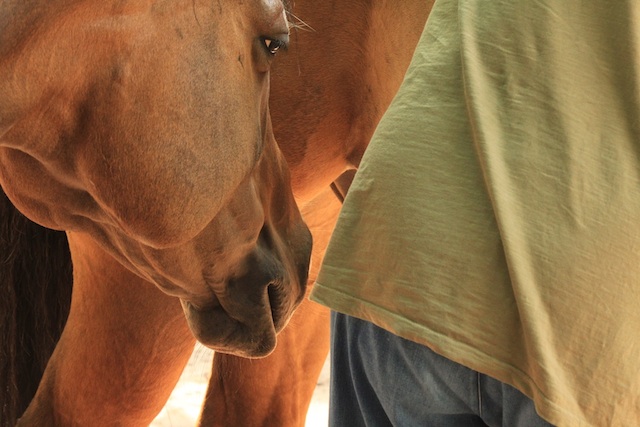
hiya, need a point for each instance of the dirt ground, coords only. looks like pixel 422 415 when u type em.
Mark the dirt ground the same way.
pixel 183 406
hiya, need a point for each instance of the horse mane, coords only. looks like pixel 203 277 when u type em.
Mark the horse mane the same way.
pixel 35 297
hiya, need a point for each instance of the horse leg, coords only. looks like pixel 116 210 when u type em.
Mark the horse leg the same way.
pixel 277 390
pixel 121 352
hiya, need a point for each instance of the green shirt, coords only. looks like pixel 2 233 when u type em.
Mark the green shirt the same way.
pixel 496 214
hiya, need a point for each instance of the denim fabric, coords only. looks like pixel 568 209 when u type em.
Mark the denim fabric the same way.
pixel 379 379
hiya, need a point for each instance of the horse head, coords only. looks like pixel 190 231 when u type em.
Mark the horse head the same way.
pixel 144 125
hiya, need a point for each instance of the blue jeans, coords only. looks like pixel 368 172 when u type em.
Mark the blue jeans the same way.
pixel 379 379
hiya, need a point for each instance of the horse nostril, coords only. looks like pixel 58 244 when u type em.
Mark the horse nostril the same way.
pixel 277 304
pixel 266 237
pixel 272 299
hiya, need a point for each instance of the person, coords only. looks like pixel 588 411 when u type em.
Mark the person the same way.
pixel 485 269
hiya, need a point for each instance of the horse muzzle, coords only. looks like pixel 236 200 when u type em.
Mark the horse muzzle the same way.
pixel 248 311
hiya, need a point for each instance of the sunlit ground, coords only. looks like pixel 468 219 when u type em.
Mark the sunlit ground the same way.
pixel 183 406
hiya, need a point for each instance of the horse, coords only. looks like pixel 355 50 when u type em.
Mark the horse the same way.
pixel 344 63
pixel 142 130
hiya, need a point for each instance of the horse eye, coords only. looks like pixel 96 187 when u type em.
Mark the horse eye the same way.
pixel 273 45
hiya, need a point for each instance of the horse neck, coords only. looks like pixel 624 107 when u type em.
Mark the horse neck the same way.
pixel 389 43
pixel 369 47
pixel 346 63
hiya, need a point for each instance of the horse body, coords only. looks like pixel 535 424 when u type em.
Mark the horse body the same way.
pixel 142 129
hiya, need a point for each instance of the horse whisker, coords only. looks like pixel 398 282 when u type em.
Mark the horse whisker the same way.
pixel 297 23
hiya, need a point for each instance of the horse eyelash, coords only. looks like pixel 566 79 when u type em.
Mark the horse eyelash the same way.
pixel 282 45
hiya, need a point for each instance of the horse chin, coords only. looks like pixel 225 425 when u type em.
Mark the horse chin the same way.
pixel 215 328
